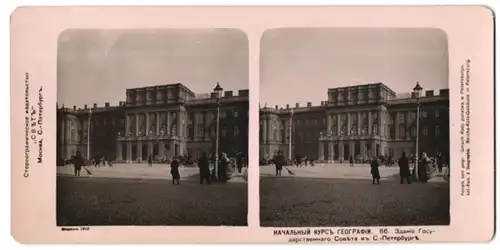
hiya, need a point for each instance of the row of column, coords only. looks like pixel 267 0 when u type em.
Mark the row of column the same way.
pixel 359 125
pixel 330 154
pixel 205 121
pixel 161 150
pixel 406 124
pixel 169 123
pixel 269 131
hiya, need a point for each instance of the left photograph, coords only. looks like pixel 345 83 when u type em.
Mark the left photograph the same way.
pixel 152 127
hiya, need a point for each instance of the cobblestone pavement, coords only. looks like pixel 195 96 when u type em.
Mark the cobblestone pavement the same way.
pixel 307 202
pixel 119 201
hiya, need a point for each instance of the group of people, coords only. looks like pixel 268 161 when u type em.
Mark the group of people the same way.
pixel 421 168
pixel 204 165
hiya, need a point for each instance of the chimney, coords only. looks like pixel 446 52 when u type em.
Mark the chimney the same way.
pixel 287 106
pixel 95 105
pixel 444 92
pixel 106 105
pixel 84 107
pixel 74 107
pixel 429 93
pixel 309 104
pixel 243 92
pixel 322 103
pixel 228 93
pixel 297 105
pixel 276 107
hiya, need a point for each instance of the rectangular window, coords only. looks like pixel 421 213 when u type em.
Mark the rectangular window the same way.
pixel 424 131
pixel 236 131
pixel 423 114
pixel 401 117
pixel 436 113
pixel 402 131
pixel 235 113
pixel 413 131
pixel 437 131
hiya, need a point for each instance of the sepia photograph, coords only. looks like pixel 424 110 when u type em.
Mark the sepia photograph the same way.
pixel 354 127
pixel 152 127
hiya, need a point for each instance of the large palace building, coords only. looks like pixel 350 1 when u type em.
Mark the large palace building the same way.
pixel 359 121
pixel 161 121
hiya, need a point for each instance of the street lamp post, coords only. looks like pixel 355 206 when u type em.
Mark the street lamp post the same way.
pixel 290 135
pixel 218 93
pixel 88 134
pixel 417 91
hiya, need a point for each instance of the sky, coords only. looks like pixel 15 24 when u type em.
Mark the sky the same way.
pixel 300 64
pixel 97 66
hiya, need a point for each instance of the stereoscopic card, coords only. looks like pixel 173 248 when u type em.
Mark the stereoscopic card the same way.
pixel 209 125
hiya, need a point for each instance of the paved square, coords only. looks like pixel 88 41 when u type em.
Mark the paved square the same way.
pixel 343 196
pixel 135 194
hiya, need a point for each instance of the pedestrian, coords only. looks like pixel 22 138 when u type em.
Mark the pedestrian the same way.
pixel 239 161
pixel 150 161
pixel 404 169
pixel 204 166
pixel 351 161
pixel 374 171
pixel 439 161
pixel 278 162
pixel 223 166
pixel 174 171
pixel 78 161
pixel 423 166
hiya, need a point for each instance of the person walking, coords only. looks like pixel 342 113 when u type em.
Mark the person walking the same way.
pixel 204 166
pixel 279 162
pixel 351 161
pixel 404 169
pixel 374 170
pixel 150 161
pixel 239 161
pixel 222 168
pixel 78 162
pixel 174 171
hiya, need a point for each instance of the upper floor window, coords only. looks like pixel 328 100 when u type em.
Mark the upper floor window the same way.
pixel 235 113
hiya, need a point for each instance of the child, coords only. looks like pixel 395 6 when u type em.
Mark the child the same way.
pixel 174 171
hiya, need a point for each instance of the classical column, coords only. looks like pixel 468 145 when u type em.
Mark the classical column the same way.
pixel 408 122
pixel 352 150
pixel 348 123
pixel 127 125
pixel 362 149
pixel 207 126
pixel 118 151
pixel 129 152
pixel 161 149
pixel 269 130
pixel 329 124
pixel 264 130
pixel 341 150
pixel 178 126
pixel 359 125
pixel 148 126
pixel 157 123
pixel 321 153
pixel 370 129
pixel 374 149
pixel 196 117
pixel 167 126
pixel 136 124
pixel 338 125
pixel 150 148
pixel 287 130
pixel 139 151
pixel 396 126
pixel 330 151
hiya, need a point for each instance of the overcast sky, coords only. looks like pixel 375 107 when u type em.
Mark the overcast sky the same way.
pixel 300 64
pixel 97 66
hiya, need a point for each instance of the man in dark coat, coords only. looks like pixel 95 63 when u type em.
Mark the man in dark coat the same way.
pixel 204 166
pixel 239 161
pixel 174 171
pixel 404 169
pixel 78 162
pixel 279 161
pixel 374 170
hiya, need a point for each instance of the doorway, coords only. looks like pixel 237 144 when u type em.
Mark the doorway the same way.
pixel 346 152
pixel 144 152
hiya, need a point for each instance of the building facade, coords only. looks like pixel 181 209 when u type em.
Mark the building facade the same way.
pixel 159 121
pixel 359 121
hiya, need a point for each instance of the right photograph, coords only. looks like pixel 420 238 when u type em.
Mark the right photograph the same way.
pixel 354 127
